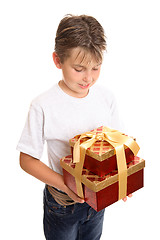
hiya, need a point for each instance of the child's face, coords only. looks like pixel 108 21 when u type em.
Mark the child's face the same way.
pixel 80 71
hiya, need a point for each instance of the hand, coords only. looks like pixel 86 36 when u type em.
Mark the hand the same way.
pixel 125 199
pixel 74 196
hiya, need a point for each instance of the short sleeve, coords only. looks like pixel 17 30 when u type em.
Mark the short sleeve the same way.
pixel 116 122
pixel 32 138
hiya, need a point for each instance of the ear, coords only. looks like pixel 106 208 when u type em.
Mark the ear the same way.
pixel 56 60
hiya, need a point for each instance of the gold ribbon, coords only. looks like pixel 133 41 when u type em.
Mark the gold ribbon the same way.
pixel 117 140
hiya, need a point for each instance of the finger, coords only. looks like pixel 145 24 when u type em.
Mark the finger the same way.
pixel 81 200
pixel 75 197
pixel 130 195
pixel 124 199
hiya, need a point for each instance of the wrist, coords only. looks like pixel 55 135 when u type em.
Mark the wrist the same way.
pixel 65 189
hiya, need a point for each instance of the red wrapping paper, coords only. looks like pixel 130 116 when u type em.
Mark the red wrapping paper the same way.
pixel 100 158
pixel 100 192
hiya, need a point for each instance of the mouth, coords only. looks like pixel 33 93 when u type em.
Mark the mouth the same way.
pixel 84 86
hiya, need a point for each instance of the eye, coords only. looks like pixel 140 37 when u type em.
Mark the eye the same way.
pixel 78 70
pixel 95 69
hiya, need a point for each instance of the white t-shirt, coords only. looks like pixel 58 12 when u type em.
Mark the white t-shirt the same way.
pixel 55 117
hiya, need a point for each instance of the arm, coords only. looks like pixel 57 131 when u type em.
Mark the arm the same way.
pixel 42 172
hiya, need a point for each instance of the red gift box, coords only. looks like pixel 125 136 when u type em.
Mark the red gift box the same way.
pixel 100 157
pixel 100 192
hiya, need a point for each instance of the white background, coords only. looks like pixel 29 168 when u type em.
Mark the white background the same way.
pixel 130 70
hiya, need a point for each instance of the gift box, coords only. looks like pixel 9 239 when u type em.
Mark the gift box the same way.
pixel 100 158
pixel 100 192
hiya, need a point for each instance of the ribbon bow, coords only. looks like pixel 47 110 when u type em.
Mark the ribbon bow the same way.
pixel 117 140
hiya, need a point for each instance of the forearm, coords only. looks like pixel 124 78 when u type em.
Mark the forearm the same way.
pixel 42 172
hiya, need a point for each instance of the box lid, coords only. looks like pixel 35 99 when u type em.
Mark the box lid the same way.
pixel 100 150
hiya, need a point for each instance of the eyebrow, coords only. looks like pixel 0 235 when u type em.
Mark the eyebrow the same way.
pixel 81 66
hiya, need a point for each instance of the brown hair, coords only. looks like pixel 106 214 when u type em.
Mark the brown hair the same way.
pixel 79 31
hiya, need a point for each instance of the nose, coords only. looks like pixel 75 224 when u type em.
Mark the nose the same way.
pixel 87 77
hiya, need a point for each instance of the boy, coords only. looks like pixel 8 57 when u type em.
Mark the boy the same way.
pixel 71 107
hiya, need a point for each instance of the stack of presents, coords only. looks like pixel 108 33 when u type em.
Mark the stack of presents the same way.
pixel 103 167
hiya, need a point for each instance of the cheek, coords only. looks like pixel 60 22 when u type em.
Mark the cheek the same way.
pixel 96 75
pixel 71 77
pixel 67 75
pixel 75 76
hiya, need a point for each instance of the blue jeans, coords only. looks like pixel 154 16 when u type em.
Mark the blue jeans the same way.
pixel 74 222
